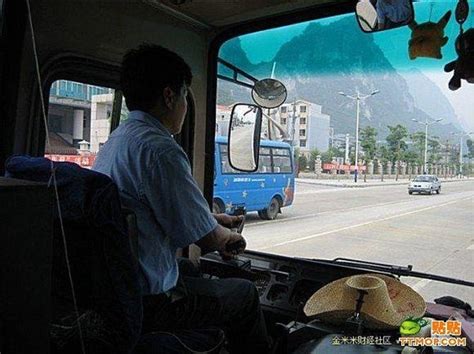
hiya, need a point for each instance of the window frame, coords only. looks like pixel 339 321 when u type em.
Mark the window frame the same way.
pixel 312 13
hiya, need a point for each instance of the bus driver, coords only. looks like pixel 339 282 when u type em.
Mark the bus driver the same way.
pixel 154 178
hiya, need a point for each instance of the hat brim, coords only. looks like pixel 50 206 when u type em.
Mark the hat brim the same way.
pixel 330 305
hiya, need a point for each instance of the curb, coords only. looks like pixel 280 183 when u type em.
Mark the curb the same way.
pixel 365 185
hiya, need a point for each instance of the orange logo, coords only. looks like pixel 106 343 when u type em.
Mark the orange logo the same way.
pixel 442 328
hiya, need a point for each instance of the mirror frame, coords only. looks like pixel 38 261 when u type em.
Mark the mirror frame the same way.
pixel 254 93
pixel 388 29
pixel 256 136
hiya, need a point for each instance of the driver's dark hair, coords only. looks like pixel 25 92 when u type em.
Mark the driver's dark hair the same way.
pixel 147 70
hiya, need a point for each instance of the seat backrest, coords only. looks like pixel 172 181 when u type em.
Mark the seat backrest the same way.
pixel 103 264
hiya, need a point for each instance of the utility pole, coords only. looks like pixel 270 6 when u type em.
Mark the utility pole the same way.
pixel 461 136
pixel 346 157
pixel 426 123
pixel 293 120
pixel 446 160
pixel 358 98
pixel 331 130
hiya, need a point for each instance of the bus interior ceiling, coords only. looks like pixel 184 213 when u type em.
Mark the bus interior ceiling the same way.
pixel 85 41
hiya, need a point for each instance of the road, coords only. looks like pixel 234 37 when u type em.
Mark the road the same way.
pixel 434 233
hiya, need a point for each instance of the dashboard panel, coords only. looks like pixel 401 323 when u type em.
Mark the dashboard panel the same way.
pixel 284 284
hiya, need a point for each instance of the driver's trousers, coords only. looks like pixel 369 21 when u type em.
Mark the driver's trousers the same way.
pixel 230 304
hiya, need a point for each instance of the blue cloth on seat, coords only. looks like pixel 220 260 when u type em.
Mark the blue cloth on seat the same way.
pixel 104 271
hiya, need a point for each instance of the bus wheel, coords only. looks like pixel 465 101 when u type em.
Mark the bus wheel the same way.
pixel 217 207
pixel 271 211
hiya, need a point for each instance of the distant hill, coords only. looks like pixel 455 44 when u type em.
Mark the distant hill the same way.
pixel 327 59
pixel 431 101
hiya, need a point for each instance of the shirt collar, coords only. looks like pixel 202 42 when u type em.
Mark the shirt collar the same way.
pixel 149 119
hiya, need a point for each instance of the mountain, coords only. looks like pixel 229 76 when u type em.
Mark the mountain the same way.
pixel 327 59
pixel 431 101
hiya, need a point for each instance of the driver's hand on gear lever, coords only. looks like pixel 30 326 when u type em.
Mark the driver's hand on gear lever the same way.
pixel 234 245
pixel 229 221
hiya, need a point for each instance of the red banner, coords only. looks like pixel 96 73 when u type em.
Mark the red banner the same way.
pixel 332 166
pixel 83 161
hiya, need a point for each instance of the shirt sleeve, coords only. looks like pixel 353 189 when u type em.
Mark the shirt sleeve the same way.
pixel 176 200
pixel 380 12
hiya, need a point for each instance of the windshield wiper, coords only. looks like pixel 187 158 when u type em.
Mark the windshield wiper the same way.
pixel 406 271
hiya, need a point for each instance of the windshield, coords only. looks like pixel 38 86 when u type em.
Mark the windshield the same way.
pixel 423 179
pixel 338 78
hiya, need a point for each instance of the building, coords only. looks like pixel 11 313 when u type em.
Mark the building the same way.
pixel 78 112
pixel 223 119
pixel 308 128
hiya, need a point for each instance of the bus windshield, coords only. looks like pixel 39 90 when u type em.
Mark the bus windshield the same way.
pixel 363 118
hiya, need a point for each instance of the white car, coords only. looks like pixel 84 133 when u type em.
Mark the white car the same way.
pixel 425 184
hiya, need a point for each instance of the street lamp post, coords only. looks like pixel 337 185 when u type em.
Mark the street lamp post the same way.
pixel 461 135
pixel 358 98
pixel 426 123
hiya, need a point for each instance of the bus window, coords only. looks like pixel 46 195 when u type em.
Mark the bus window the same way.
pixel 264 161
pixel 79 121
pixel 226 168
pixel 282 161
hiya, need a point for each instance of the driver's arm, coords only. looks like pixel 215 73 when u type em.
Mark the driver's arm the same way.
pixel 218 239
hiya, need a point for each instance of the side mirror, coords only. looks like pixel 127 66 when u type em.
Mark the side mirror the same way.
pixel 269 93
pixel 380 15
pixel 244 137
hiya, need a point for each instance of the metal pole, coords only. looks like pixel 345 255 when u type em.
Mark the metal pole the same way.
pixel 460 158
pixel 356 172
pixel 425 165
pixel 293 124
pixel 446 160
pixel 346 157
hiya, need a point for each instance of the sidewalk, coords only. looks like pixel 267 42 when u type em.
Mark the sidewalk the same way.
pixel 346 183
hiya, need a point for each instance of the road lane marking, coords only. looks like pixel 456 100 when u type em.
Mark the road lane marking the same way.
pixel 424 282
pixel 307 216
pixel 421 284
pixel 363 224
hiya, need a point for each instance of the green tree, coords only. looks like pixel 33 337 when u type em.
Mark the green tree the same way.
pixel 470 155
pixel 312 158
pixel 470 148
pixel 296 158
pixel 411 157
pixel 418 139
pixel 434 148
pixel 327 157
pixel 369 145
pixel 302 162
pixel 397 144
pixel 383 156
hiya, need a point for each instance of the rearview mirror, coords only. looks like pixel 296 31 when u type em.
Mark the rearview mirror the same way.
pixel 269 93
pixel 244 137
pixel 379 15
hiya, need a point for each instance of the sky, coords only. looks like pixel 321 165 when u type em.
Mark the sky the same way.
pixel 262 46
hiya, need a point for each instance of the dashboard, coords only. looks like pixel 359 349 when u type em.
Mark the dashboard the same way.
pixel 284 284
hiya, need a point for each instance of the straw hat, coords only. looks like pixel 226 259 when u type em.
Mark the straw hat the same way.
pixel 387 304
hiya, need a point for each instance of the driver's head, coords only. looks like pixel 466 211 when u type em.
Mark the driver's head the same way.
pixel 156 80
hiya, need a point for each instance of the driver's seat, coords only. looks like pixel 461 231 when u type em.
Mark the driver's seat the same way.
pixel 103 259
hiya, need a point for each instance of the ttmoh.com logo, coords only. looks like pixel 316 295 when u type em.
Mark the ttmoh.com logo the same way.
pixel 443 333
